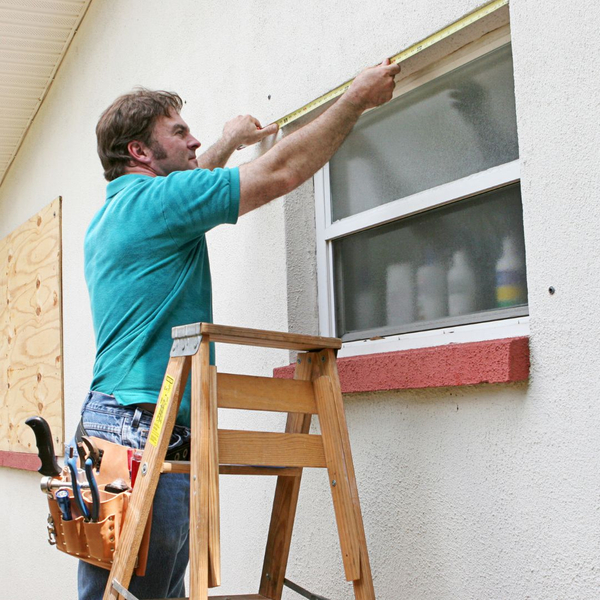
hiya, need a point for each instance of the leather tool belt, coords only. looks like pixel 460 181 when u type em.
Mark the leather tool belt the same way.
pixel 95 540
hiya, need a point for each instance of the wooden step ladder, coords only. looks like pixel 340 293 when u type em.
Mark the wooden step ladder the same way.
pixel 315 390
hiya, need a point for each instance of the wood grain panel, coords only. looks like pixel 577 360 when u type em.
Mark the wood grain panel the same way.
pixel 31 375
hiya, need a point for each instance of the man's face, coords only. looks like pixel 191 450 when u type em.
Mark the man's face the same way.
pixel 173 146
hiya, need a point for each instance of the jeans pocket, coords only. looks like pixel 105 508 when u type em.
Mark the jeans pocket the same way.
pixel 136 429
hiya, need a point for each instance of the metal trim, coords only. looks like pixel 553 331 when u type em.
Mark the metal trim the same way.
pixel 186 339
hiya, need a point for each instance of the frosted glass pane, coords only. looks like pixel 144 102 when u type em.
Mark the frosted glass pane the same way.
pixel 456 125
pixel 458 264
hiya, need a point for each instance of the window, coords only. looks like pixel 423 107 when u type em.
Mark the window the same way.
pixel 419 217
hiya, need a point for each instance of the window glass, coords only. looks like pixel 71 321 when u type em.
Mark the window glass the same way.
pixel 461 123
pixel 464 262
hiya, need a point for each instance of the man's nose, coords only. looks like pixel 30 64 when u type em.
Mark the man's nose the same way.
pixel 193 143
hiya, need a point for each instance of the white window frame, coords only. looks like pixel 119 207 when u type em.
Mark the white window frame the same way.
pixel 327 231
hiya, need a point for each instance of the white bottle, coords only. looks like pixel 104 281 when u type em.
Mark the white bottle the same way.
pixel 432 289
pixel 364 308
pixel 400 294
pixel 511 289
pixel 462 287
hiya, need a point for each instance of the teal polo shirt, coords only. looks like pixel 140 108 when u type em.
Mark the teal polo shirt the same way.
pixel 147 270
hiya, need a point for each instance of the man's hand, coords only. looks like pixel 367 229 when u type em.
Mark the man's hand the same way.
pixel 245 131
pixel 372 87
pixel 239 132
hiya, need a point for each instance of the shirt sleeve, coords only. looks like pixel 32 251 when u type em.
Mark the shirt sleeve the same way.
pixel 195 201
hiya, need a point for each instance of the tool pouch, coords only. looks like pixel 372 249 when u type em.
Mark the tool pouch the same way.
pixel 96 541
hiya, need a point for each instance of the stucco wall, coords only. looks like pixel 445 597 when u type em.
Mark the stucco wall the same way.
pixel 491 492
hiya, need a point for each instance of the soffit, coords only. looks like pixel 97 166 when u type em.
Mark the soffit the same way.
pixel 34 38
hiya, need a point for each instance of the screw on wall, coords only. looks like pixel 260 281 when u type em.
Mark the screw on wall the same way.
pixel 551 290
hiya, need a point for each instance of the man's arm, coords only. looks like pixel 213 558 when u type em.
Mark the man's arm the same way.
pixel 241 131
pixel 301 154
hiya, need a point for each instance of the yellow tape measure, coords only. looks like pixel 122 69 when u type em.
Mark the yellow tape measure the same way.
pixel 398 58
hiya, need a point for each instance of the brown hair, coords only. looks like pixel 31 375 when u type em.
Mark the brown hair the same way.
pixel 131 117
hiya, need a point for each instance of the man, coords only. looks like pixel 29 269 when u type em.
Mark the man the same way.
pixel 147 270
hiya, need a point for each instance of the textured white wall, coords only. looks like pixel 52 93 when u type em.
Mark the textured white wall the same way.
pixel 490 492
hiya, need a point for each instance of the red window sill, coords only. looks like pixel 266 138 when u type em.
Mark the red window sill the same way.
pixel 495 361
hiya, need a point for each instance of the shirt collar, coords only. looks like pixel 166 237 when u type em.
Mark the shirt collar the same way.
pixel 120 183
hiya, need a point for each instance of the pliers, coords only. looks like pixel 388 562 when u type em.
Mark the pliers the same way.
pixel 89 472
pixel 72 464
pixel 88 449
pixel 90 456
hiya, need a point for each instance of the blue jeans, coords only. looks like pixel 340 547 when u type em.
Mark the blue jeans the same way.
pixel 168 556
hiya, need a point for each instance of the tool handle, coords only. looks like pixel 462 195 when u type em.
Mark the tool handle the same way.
pixel 72 464
pixel 43 440
pixel 89 472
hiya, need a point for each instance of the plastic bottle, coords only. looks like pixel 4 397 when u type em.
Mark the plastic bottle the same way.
pixel 364 301
pixel 462 287
pixel 511 288
pixel 400 293
pixel 432 289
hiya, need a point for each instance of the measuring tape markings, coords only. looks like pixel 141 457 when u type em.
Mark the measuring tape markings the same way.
pixel 398 58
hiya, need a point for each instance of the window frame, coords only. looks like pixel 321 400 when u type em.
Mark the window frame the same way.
pixel 484 181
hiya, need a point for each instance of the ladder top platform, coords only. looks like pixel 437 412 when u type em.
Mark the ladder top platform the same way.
pixel 256 337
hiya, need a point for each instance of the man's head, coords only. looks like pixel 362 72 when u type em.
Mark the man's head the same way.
pixel 143 129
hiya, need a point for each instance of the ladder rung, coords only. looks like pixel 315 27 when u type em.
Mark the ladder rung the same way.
pixel 267 339
pixel 267 449
pixel 247 470
pixel 265 393
pixel 174 466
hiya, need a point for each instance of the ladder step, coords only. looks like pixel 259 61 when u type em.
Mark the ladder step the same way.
pixel 174 466
pixel 267 449
pixel 267 339
pixel 245 470
pixel 265 393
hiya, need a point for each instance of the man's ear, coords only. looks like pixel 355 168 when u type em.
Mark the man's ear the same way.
pixel 139 152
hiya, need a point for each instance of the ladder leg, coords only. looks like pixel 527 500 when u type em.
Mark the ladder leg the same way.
pixel 363 587
pixel 214 537
pixel 153 457
pixel 338 477
pixel 200 473
pixel 285 503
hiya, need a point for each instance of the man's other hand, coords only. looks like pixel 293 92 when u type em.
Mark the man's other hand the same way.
pixel 245 130
pixel 374 86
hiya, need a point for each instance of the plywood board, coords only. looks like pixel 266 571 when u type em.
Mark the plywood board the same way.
pixel 31 357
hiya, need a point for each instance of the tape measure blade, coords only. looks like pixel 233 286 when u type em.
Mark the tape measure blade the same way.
pixel 314 104
pixel 446 32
